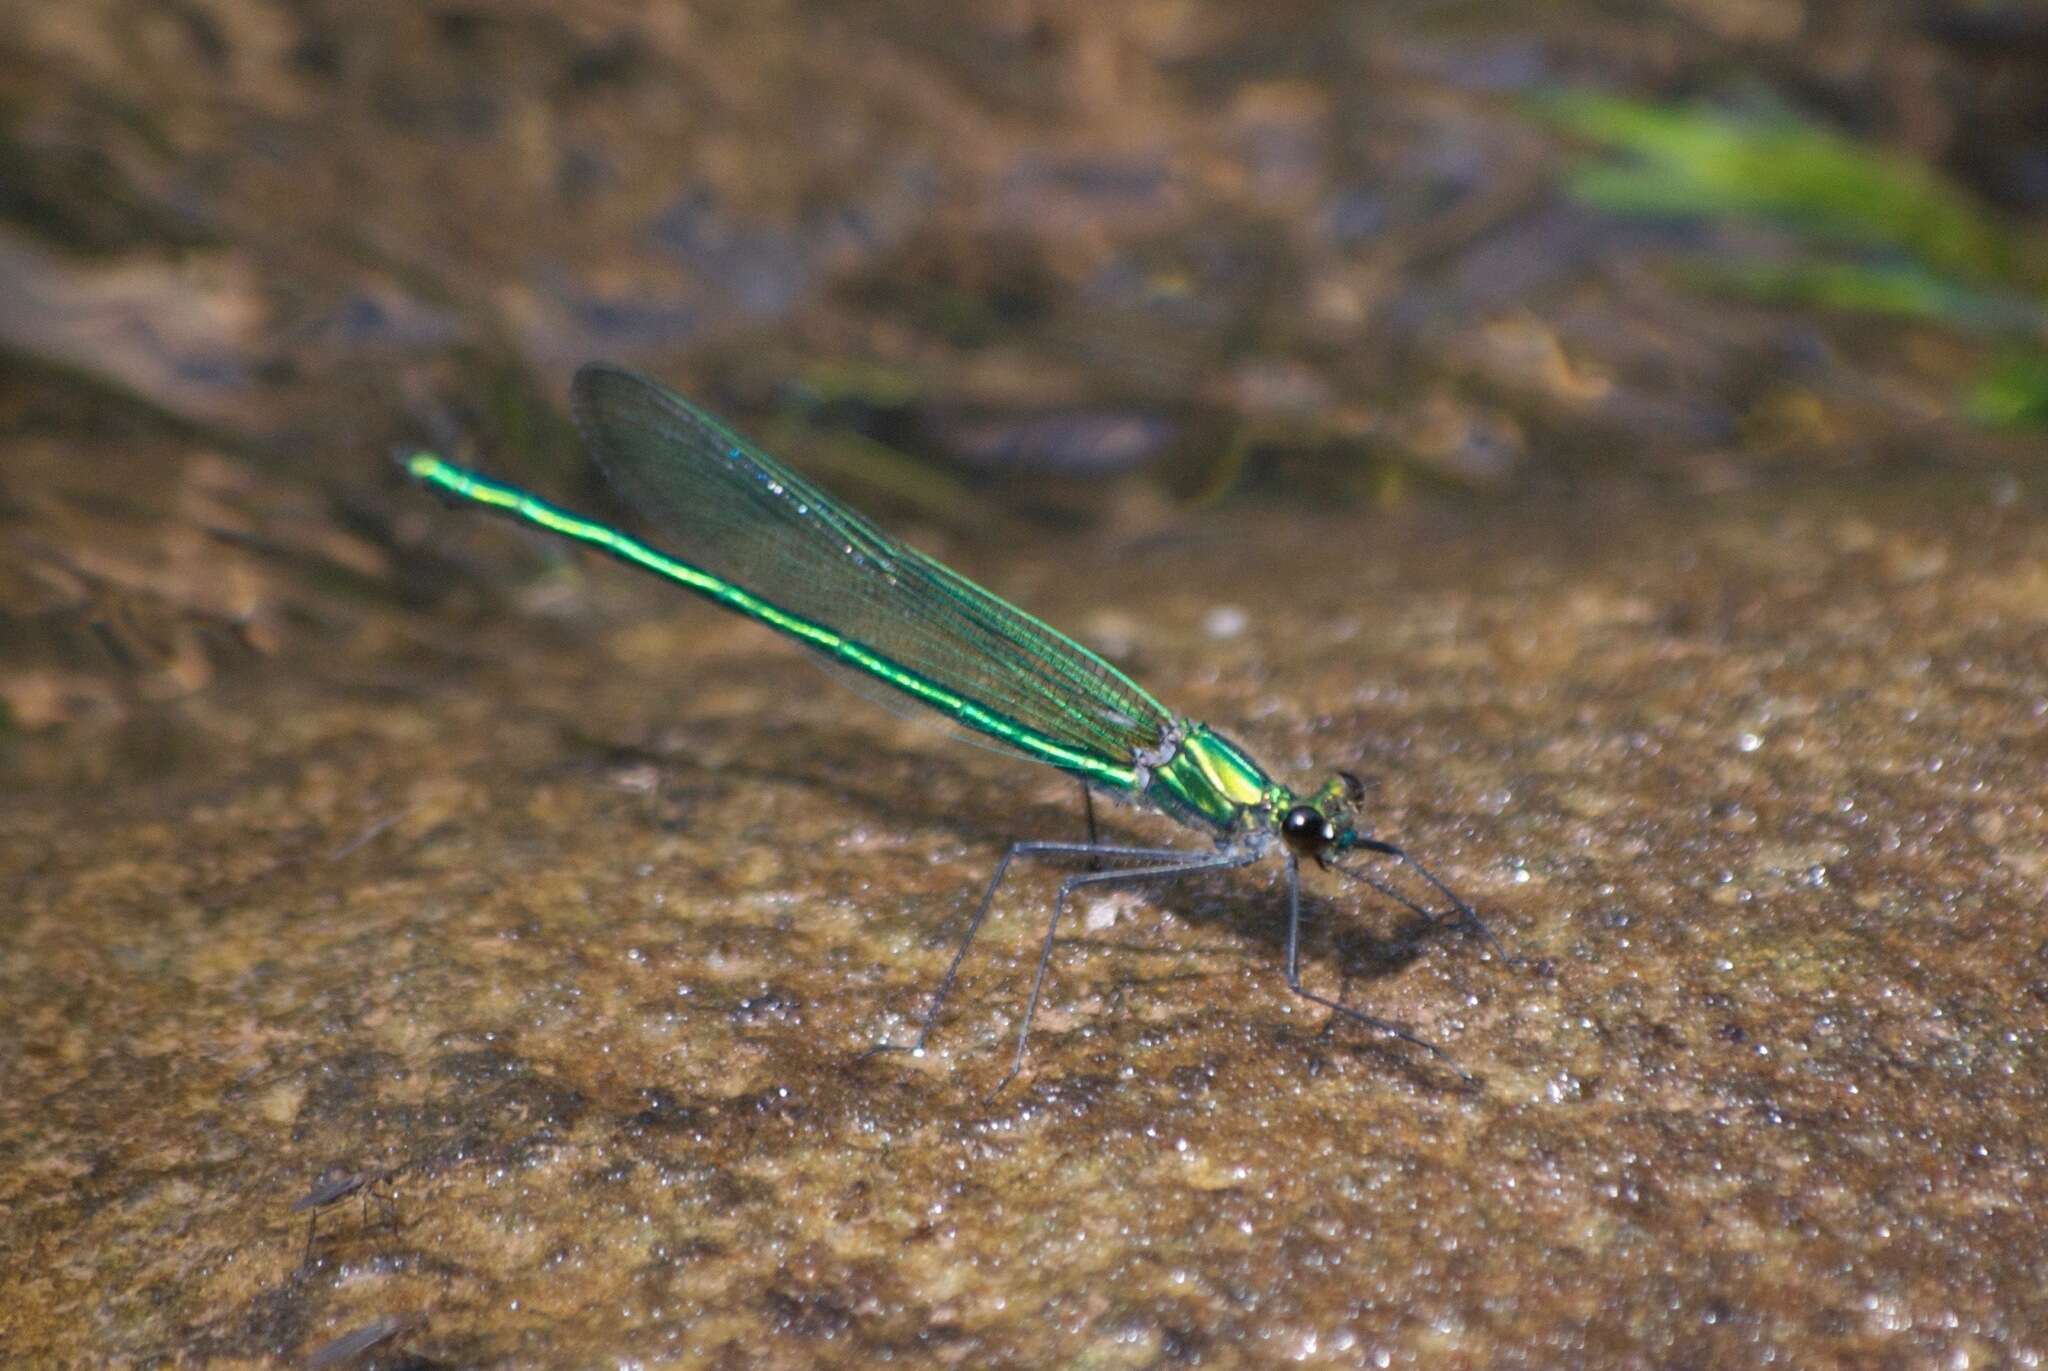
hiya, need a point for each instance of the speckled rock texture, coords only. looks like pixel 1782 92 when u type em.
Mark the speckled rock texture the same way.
pixel 580 924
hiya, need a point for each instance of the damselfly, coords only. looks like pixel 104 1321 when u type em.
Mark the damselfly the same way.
pixel 747 533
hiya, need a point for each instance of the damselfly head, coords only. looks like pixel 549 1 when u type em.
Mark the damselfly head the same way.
pixel 1323 822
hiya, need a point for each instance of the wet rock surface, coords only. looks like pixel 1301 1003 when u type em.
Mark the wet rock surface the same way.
pixel 580 923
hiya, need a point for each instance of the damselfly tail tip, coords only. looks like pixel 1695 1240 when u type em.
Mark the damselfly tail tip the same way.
pixel 417 463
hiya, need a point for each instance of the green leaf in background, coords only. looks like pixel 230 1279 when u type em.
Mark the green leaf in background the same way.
pixel 1940 258
pixel 869 383
pixel 1899 290
pixel 1705 162
pixel 2014 392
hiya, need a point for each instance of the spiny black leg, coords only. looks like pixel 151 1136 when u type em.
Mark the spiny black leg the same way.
pixel 1294 982
pixel 1219 862
pixel 1467 914
pixel 1090 850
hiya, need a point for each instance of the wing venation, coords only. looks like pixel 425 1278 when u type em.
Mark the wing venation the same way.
pixel 718 503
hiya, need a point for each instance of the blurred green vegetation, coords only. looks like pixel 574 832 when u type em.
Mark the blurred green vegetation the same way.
pixel 1872 232
pixel 1900 290
pixel 830 414
pixel 2013 392
pixel 1702 161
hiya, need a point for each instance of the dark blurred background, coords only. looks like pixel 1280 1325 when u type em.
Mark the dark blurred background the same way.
pixel 1051 265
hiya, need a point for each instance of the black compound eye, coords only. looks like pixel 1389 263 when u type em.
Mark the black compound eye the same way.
pixel 1306 830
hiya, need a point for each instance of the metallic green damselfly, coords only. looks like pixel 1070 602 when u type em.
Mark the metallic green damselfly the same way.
pixel 747 533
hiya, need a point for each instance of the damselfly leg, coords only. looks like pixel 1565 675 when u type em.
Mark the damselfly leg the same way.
pixel 1468 917
pixel 1392 1030
pixel 1088 813
pixel 1164 862
pixel 1220 861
